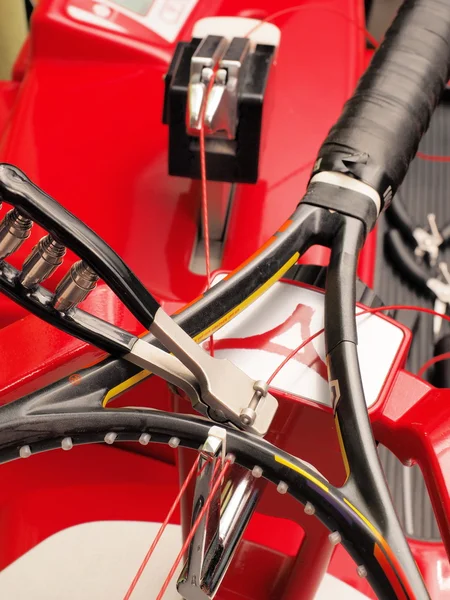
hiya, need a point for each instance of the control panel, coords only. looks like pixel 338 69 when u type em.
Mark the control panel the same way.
pixel 134 18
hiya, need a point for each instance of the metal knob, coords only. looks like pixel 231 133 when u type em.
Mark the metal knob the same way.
pixel 75 286
pixel 248 414
pixel 14 230
pixel 45 258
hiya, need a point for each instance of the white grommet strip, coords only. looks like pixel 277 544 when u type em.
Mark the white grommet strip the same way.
pixel 110 437
pixel 67 443
pixel 144 438
pixel 25 452
pixel 349 183
pixel 309 508
pixel 282 487
pixel 361 571
pixel 335 538
pixel 257 472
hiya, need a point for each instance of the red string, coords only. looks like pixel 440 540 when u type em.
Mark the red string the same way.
pixel 431 362
pixel 201 514
pixel 362 312
pixel 310 5
pixel 433 157
pixel 161 529
pixel 204 181
pixel 205 217
pixel 291 174
pixel 280 13
pixel 292 354
pixel 375 43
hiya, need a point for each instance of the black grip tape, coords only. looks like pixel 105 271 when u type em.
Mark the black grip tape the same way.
pixel 380 128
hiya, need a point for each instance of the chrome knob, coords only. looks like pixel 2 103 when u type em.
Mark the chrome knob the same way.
pixel 46 257
pixel 15 228
pixel 75 286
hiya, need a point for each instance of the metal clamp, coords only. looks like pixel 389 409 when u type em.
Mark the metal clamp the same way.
pixel 203 63
pixel 189 584
pixel 225 391
pixel 220 532
pixel 211 86
pixel 221 110
pixel 221 113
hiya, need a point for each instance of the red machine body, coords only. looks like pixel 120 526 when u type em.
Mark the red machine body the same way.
pixel 82 118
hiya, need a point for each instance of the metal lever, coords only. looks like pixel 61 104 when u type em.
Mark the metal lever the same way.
pixel 165 365
pixel 228 392
pixel 217 538
pixel 189 585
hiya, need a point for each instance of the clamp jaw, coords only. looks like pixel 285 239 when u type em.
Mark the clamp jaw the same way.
pixel 220 530
pixel 204 62
pixel 190 584
pixel 215 54
pixel 233 110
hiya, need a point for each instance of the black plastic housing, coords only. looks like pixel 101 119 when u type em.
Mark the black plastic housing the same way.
pixel 234 161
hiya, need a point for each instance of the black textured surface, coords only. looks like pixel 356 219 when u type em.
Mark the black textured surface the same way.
pixel 235 160
pixel 425 190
